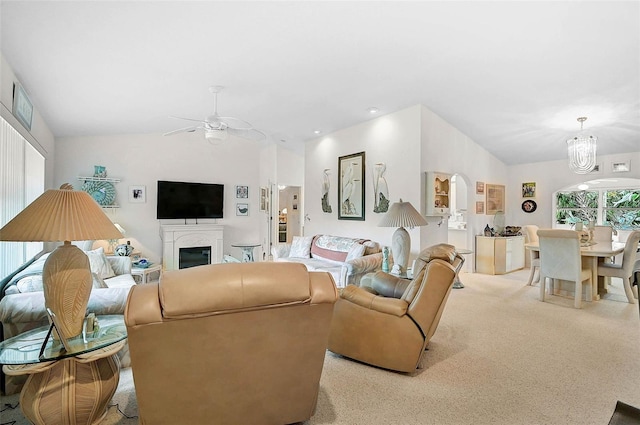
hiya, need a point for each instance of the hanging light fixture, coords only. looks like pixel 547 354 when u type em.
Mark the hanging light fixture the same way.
pixel 582 151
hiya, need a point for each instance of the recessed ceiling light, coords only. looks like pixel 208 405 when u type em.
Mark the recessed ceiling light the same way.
pixel 583 186
pixel 317 131
pixel 373 110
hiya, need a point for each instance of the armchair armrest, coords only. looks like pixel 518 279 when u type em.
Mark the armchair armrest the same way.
pixel 120 264
pixel 353 270
pixel 280 251
pixel 366 299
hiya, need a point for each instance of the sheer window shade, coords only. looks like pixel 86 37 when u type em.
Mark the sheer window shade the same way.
pixel 21 181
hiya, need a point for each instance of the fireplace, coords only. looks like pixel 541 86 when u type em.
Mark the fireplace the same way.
pixel 194 256
pixel 189 245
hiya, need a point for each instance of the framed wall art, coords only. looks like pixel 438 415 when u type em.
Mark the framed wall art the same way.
pixel 242 192
pixel 351 187
pixel 264 198
pixel 529 190
pixel 137 194
pixel 495 198
pixel 242 209
pixel 479 188
pixel 22 106
pixel 479 207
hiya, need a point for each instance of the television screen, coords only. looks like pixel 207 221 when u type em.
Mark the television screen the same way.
pixel 189 200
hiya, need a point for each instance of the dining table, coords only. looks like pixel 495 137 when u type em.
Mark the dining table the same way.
pixel 593 253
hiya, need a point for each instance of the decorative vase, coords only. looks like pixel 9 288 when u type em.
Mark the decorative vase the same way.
pixel 385 259
pixel 124 250
pixel 99 171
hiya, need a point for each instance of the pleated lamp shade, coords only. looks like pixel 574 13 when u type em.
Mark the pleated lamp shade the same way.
pixel 60 215
pixel 401 215
pixel 63 215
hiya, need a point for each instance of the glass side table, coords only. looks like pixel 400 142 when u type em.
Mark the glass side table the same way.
pixel 83 378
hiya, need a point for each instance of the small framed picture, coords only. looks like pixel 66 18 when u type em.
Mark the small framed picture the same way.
pixel 264 199
pixel 528 190
pixel 479 207
pixel 479 188
pixel 242 192
pixel 242 209
pixel 620 167
pixel 137 194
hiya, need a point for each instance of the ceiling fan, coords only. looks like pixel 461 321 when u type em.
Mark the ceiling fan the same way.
pixel 217 128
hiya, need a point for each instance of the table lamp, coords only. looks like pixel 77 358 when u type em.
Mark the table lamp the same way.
pixel 401 215
pixel 63 215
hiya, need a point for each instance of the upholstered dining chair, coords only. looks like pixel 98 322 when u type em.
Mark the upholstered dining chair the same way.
pixel 560 259
pixel 531 236
pixel 602 233
pixel 625 269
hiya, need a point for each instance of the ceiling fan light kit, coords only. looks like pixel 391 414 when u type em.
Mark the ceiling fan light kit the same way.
pixel 582 151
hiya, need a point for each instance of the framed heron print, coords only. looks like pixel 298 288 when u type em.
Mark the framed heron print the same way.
pixel 351 187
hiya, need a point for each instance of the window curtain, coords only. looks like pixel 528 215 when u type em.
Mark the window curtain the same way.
pixel 21 181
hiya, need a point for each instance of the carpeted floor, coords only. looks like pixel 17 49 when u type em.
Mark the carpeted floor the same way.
pixel 499 356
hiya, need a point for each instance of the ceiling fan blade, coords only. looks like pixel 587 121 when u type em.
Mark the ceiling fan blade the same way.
pixel 183 130
pixel 250 134
pixel 187 119
pixel 236 123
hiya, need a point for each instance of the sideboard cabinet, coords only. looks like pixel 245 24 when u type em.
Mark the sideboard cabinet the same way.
pixel 499 255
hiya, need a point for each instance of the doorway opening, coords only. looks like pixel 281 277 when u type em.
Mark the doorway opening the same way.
pixel 289 214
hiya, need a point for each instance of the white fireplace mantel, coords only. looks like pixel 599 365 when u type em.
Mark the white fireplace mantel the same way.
pixel 176 236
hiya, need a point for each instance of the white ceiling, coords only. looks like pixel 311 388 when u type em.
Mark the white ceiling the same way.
pixel 513 76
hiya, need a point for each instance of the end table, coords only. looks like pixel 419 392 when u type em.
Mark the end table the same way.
pixel 66 387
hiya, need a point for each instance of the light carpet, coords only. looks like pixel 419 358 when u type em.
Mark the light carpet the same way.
pixel 499 356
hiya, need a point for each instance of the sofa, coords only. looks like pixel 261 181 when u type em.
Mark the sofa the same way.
pixel 346 259
pixel 22 299
pixel 237 343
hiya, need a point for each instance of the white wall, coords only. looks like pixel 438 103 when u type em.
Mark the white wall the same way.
pixel 551 176
pixel 40 137
pixel 393 139
pixel 446 149
pixel 144 159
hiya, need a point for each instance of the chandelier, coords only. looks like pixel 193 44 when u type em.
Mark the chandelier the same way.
pixel 582 151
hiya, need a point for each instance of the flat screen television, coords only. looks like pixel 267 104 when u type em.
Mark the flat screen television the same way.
pixel 190 200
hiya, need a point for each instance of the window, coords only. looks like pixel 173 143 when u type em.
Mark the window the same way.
pixel 622 208
pixel 617 207
pixel 21 181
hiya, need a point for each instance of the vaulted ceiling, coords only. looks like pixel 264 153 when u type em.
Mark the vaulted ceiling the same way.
pixel 513 76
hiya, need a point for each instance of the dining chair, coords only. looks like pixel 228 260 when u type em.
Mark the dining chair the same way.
pixel 603 233
pixel 560 259
pixel 625 269
pixel 531 236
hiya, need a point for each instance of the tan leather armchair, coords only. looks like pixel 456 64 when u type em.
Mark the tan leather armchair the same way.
pixel 230 343
pixel 389 321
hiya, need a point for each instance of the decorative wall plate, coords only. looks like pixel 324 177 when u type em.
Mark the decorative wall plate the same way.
pixel 529 206
pixel 103 192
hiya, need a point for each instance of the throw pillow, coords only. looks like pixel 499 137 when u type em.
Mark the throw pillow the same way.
pixel 30 284
pixel 355 251
pixel 99 263
pixel 98 282
pixel 301 247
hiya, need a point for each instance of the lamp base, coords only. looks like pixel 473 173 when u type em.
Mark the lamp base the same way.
pixel 67 282
pixel 401 248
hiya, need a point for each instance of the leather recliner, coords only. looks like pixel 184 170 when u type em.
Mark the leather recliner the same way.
pixel 388 321
pixel 230 343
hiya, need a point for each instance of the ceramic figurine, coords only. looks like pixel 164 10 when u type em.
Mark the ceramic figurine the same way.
pixel 124 250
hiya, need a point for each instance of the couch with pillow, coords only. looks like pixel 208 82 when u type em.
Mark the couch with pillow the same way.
pixel 347 259
pixel 22 299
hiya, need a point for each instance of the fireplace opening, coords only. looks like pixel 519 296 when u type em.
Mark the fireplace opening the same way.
pixel 194 256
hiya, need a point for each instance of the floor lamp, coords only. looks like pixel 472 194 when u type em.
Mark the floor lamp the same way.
pixel 401 215
pixel 63 215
